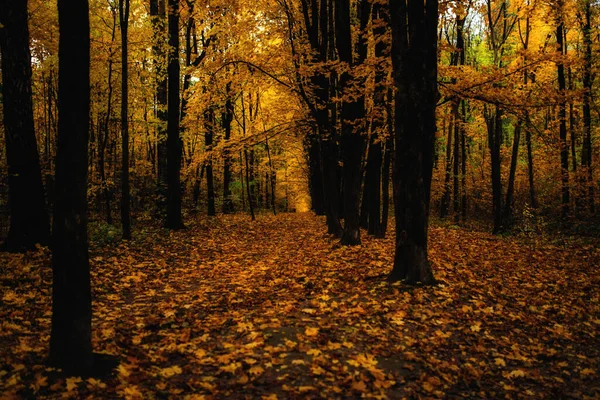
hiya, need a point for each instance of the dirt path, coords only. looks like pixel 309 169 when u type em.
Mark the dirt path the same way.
pixel 235 309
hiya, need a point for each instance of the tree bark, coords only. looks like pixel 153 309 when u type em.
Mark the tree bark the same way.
pixel 209 122
pixel 158 15
pixel 352 112
pixel 71 339
pixel 586 151
pixel 29 223
pixel 125 194
pixel 414 60
pixel 562 116
pixel 227 118
pixel 174 145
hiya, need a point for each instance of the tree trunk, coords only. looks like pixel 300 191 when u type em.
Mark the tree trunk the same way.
pixel 586 151
pixel 209 120
pixel 414 60
pixel 71 339
pixel 158 14
pixel 508 212
pixel 28 217
pixel 445 201
pixel 125 195
pixel 562 116
pixel 494 128
pixel 227 118
pixel 174 145
pixel 351 114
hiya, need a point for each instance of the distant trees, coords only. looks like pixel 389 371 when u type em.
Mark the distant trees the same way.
pixel 29 223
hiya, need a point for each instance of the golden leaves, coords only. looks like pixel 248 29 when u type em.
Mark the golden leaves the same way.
pixel 170 371
pixel 311 331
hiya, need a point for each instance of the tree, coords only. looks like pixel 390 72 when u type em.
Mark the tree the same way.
pixel 71 339
pixel 28 217
pixel 352 113
pixel 414 61
pixel 125 196
pixel 174 220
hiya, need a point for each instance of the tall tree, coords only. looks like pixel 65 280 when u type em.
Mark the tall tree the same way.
pixel 586 150
pixel 174 146
pixel 227 118
pixel 71 339
pixel 158 14
pixel 28 217
pixel 414 60
pixel 352 112
pixel 125 195
pixel 562 113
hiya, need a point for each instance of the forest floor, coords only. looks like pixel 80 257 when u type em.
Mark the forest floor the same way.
pixel 277 309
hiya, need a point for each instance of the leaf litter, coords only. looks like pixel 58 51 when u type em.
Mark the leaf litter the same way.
pixel 276 309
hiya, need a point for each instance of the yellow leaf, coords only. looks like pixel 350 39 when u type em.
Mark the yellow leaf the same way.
pixel 272 396
pixel 231 368
pixel 132 392
pixel 517 373
pixel 72 383
pixel 500 362
pixel 476 327
pixel 123 371
pixel 256 370
pixel 315 369
pixel 359 385
pixel 587 371
pixel 243 379
pixel 170 371
pixel 310 331
pixel 303 389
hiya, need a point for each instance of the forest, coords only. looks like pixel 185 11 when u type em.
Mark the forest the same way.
pixel 277 199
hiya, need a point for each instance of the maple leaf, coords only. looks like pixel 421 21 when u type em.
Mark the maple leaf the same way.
pixel 256 370
pixel 359 386
pixel 231 368
pixel 311 331
pixel 170 371
pixel 72 383
pixel 476 327
pixel 500 362
pixel 132 393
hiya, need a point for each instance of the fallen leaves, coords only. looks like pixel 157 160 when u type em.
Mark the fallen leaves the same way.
pixel 274 309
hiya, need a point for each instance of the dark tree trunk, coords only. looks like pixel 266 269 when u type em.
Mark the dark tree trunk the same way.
pixel 125 195
pixel 494 128
pixel 351 114
pixel 158 14
pixel 373 176
pixel 456 165
pixel 445 201
pixel 71 339
pixel 209 120
pixel 227 118
pixel 562 116
pixel 28 217
pixel 414 60
pixel 463 159
pixel 508 212
pixel 385 184
pixel 174 146
pixel 586 151
pixel 270 180
pixel 315 175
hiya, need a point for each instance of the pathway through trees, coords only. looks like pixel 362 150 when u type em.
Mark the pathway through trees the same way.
pixel 234 309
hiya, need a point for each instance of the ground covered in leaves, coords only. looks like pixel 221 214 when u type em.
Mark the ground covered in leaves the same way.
pixel 276 309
